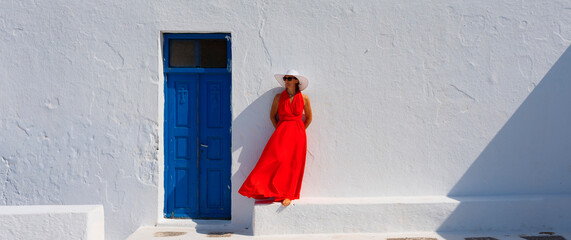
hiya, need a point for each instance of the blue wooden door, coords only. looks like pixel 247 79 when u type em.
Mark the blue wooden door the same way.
pixel 197 132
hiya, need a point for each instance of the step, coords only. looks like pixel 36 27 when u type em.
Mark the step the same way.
pixel 52 222
pixel 544 213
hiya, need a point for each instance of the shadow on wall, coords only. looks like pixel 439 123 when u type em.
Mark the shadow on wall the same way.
pixel 528 158
pixel 250 133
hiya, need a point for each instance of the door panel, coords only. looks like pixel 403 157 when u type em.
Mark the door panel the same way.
pixel 181 183
pixel 215 145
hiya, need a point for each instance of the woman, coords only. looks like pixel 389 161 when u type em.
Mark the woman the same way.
pixel 279 171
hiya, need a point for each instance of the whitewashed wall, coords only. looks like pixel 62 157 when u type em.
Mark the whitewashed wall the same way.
pixel 409 98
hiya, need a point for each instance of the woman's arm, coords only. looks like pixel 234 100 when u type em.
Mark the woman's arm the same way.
pixel 274 111
pixel 307 109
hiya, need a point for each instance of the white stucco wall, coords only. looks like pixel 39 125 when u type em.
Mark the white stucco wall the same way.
pixel 409 98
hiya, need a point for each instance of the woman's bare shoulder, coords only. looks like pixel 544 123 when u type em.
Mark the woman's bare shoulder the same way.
pixel 305 96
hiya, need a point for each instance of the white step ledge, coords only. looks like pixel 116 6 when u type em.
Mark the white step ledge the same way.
pixel 52 222
pixel 415 214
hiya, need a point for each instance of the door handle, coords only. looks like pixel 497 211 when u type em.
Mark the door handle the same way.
pixel 202 145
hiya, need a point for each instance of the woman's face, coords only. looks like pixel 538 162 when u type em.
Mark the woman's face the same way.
pixel 290 81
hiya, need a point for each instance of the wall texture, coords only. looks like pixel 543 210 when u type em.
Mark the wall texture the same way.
pixel 416 98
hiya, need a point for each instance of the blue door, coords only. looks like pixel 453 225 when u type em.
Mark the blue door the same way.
pixel 197 126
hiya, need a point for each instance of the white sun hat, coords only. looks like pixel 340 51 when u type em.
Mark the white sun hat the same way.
pixel 303 82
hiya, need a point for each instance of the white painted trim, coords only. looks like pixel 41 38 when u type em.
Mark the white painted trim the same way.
pixel 161 121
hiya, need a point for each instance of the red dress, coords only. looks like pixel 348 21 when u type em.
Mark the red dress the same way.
pixel 279 170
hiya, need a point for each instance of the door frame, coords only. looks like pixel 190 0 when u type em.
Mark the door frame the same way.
pixel 162 95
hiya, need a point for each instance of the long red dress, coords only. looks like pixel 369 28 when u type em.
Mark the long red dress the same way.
pixel 279 170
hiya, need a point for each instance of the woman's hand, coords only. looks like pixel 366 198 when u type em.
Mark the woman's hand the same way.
pixel 274 110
